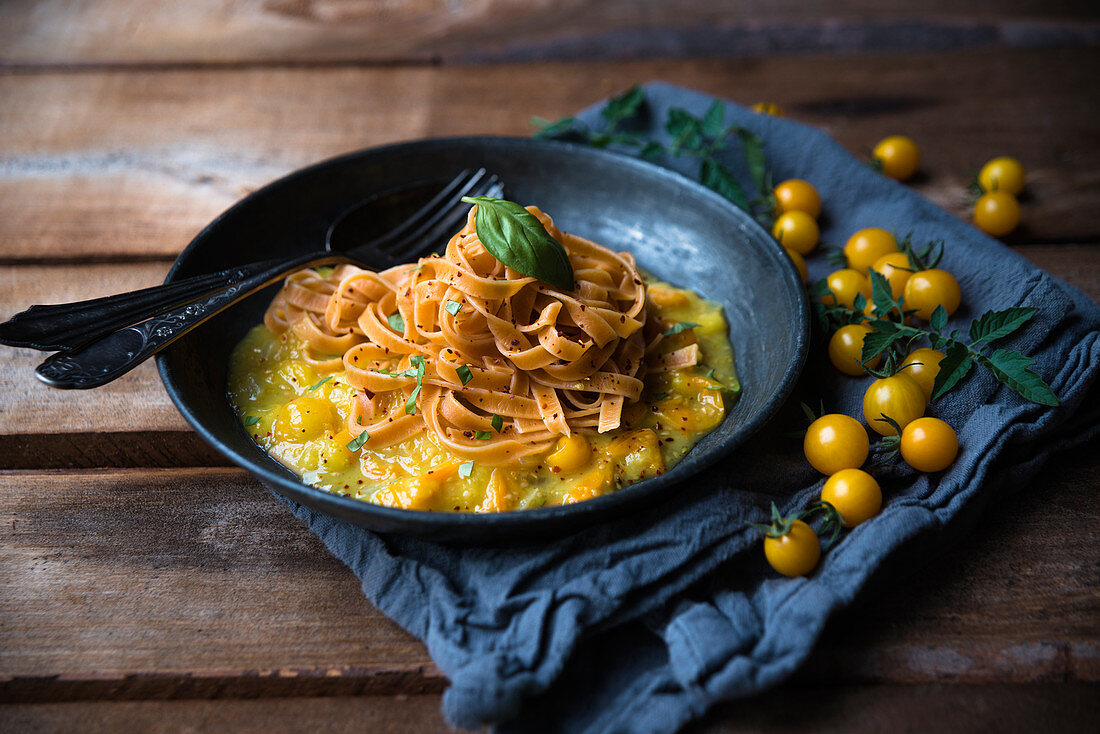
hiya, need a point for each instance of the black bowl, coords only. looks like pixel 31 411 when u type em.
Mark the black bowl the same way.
pixel 677 230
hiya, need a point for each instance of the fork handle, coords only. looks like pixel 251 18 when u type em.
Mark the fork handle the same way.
pixel 67 326
pixel 113 355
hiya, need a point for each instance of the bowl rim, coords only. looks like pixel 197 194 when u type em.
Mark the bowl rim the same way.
pixel 421 522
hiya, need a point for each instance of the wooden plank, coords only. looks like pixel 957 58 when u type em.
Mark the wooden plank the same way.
pixel 196 583
pixel 131 422
pixel 106 165
pixel 822 709
pixel 213 31
pixel 193 583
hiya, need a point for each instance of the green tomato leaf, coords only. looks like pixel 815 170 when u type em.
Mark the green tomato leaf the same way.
pixel 717 177
pixel 754 157
pixel 1014 370
pixel 686 130
pixel 995 325
pixel 516 237
pixel 554 130
pixel 882 336
pixel 939 318
pixel 624 106
pixel 651 150
pixel 953 367
pixel 881 295
pixel 859 303
pixel 714 119
pixel 818 288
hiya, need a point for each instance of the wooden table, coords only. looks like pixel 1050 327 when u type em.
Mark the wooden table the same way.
pixel 145 585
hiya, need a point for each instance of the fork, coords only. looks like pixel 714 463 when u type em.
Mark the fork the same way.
pixel 105 338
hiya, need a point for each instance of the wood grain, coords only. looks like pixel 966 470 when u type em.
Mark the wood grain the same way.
pixel 852 709
pixel 197 583
pixel 131 422
pixel 315 31
pixel 113 165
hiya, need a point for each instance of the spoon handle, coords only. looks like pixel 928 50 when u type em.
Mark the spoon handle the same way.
pixel 103 360
pixel 72 325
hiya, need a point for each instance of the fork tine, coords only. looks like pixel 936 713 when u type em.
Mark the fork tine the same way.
pixel 424 214
pixel 396 247
pixel 448 224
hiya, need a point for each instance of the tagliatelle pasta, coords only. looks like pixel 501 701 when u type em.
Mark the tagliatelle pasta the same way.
pixel 459 384
pixel 489 341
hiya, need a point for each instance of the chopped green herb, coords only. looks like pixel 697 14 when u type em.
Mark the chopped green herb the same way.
pixel 318 384
pixel 680 326
pixel 252 420
pixel 465 374
pixel 453 307
pixel 710 374
pixel 396 323
pixel 358 420
pixel 465 469
pixel 497 422
pixel 417 361
pixel 357 443
pixel 482 435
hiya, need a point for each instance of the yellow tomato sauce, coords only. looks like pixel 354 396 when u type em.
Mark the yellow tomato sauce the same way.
pixel 299 417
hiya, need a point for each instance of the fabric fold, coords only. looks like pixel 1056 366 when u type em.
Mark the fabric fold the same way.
pixel 644 623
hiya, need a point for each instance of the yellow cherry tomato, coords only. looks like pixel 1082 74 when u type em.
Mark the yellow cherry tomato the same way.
pixel 900 397
pixel 899 157
pixel 844 285
pixel 997 213
pixel 836 441
pixel 796 553
pixel 846 349
pixel 855 494
pixel 796 195
pixel 769 108
pixel 895 267
pixel 799 263
pixel 929 445
pixel 927 289
pixel 866 246
pixel 922 365
pixel 796 231
pixel 1002 174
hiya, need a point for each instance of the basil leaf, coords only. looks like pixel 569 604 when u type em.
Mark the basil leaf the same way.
pixel 680 326
pixel 410 404
pixel 953 367
pixel 482 435
pixel 1014 370
pixel 357 443
pixel 497 422
pixel 998 324
pixel 453 307
pixel 316 385
pixel 465 374
pixel 465 469
pixel 396 323
pixel 516 237
pixel 252 420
